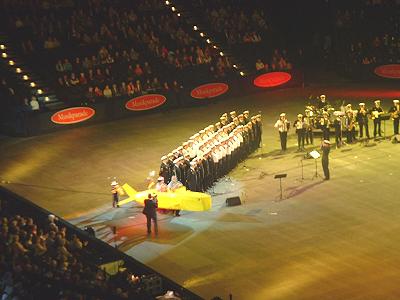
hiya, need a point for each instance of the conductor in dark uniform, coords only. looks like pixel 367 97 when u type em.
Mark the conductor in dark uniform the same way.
pixel 326 147
pixel 150 211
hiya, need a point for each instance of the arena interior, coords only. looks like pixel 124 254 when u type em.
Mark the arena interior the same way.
pixel 95 93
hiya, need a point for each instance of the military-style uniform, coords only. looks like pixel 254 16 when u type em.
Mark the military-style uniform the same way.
pixel 326 147
pixel 350 127
pixel 213 151
pixel 300 130
pixel 376 113
pixel 283 127
pixel 114 192
pixel 362 120
pixel 337 125
pixel 395 112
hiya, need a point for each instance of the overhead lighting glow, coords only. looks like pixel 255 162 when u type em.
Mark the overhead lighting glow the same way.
pixel 11 62
pixel 18 70
pixel 2 47
pixel 208 41
pixel 201 34
pixel 167 2
pixel 4 55
pixel 32 84
pixel 173 8
pixel 39 91
pixel 46 98
pixel 241 73
pixel 221 53
pixel 195 27
pixel 25 77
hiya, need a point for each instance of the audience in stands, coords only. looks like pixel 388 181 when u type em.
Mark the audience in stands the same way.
pixel 235 23
pixel 279 62
pixel 46 262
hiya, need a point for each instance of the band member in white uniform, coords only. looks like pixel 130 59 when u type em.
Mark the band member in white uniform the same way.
pixel 362 120
pixel 283 126
pixel 376 113
pixel 325 123
pixel 300 130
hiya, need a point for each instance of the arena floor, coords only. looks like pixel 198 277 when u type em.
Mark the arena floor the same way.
pixel 336 239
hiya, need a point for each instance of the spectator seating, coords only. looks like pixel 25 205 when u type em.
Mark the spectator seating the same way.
pixel 47 258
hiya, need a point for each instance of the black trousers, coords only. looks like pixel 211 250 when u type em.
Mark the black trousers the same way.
pixel 309 136
pixel 153 217
pixel 351 135
pixel 325 167
pixel 338 138
pixel 325 133
pixel 377 127
pixel 396 125
pixel 283 138
pixel 362 127
pixel 300 138
pixel 115 200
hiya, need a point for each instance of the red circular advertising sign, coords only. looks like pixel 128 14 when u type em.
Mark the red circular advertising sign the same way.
pixel 388 71
pixel 72 115
pixel 209 90
pixel 272 79
pixel 145 102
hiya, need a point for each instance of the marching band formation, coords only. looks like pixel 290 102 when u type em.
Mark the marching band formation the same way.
pixel 344 122
pixel 212 152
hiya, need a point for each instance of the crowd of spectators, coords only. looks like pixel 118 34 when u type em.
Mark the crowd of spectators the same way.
pixel 384 49
pixel 235 22
pixel 132 48
pixel 279 62
pixel 369 33
pixel 41 260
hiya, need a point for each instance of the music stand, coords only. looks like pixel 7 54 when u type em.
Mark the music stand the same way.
pixel 280 176
pixel 315 154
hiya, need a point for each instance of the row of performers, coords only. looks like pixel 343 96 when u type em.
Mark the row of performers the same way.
pixel 343 122
pixel 212 152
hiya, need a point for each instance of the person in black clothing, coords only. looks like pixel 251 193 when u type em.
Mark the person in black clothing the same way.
pixel 324 124
pixel 150 211
pixel 326 147
pixel 376 113
pixel 350 127
pixel 322 102
pixel 164 168
pixel 337 124
pixel 362 119
pixel 395 114
pixel 300 130
pixel 192 177
pixel 114 192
